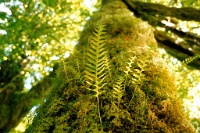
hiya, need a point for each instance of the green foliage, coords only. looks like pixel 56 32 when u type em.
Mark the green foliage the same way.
pixel 95 61
pixel 129 101
pixel 96 66
pixel 196 123
pixel 36 39
pixel 131 95
pixel 137 74
pixel 51 3
pixel 191 59
pixel 118 89
pixel 31 33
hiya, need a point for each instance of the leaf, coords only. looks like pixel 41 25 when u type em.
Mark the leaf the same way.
pixel 191 59
pixel 96 70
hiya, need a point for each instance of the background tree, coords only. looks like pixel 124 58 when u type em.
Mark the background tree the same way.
pixel 170 19
pixel 113 85
pixel 32 34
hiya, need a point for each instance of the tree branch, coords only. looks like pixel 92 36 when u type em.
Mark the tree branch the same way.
pixel 185 13
pixel 156 13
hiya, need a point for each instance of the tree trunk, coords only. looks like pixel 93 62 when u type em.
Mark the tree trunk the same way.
pixel 138 95
pixel 15 104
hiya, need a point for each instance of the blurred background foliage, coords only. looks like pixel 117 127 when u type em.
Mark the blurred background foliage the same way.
pixel 36 34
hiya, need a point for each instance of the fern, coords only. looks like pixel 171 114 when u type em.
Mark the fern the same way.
pixel 138 75
pixel 107 64
pixel 96 64
pixel 135 69
pixel 191 59
pixel 95 61
pixel 137 72
pixel 131 60
pixel 77 65
pixel 118 89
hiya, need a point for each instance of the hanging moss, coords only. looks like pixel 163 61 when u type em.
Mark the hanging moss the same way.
pixel 138 95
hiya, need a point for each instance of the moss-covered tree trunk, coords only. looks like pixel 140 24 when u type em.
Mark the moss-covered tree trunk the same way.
pixel 122 86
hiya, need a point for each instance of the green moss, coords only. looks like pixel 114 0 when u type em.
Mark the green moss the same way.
pixel 140 94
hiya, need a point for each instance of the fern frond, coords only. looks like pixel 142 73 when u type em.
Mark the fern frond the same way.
pixel 118 89
pixel 77 64
pixel 191 59
pixel 137 72
pixel 138 75
pixel 96 63
pixel 131 61
pixel 107 64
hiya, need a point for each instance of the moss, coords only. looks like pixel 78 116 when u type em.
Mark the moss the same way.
pixel 148 103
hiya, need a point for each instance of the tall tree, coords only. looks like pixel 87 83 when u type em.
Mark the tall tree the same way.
pixel 31 33
pixel 115 81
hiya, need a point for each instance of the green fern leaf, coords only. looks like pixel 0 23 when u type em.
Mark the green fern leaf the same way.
pixel 131 61
pixel 96 65
pixel 118 89
pixel 137 75
pixel 137 72
pixel 191 59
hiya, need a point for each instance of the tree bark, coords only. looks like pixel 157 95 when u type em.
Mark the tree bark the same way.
pixel 149 102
